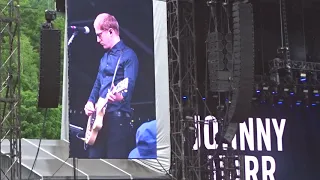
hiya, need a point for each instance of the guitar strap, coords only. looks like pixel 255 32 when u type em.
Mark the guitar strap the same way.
pixel 116 69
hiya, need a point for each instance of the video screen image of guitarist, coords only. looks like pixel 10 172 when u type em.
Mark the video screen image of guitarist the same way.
pixel 114 91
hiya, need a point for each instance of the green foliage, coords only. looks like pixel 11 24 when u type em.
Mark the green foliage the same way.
pixel 32 17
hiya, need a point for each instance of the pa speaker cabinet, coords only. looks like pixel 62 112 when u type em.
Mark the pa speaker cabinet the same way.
pixel 50 68
pixel 243 58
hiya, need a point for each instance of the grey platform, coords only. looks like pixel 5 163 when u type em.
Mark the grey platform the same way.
pixel 53 163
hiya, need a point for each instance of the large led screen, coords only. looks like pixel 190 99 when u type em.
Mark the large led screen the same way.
pixel 118 103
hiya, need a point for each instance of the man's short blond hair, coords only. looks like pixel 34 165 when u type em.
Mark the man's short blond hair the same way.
pixel 106 21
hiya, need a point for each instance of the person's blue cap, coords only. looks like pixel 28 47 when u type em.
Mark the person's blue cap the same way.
pixel 146 142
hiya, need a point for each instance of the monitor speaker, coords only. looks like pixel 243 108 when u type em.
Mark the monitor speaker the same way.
pixel 50 68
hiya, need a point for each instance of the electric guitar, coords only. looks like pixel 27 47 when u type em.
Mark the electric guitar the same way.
pixel 95 120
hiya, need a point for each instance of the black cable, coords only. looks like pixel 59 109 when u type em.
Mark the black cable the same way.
pixel 59 167
pixel 164 169
pixel 157 168
pixel 41 136
pixel 5 175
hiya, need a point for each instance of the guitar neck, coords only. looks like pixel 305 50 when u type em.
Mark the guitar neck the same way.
pixel 107 100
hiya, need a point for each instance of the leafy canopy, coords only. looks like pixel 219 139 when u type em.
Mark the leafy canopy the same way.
pixel 32 17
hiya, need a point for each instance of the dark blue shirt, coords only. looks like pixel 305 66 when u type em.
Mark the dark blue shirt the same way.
pixel 128 68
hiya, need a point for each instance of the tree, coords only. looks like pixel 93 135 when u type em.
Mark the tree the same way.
pixel 32 117
pixel 32 17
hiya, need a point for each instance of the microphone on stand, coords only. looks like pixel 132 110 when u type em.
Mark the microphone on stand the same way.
pixel 84 29
pixel 77 29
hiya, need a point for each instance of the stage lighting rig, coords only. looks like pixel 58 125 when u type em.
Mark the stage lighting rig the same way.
pixel 296 93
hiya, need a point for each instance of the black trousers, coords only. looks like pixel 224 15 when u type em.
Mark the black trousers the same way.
pixel 114 138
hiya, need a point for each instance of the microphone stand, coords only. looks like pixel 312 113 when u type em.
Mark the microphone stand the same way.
pixel 74 160
pixel 72 37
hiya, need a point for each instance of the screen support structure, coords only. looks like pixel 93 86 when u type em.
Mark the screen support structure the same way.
pixel 10 130
pixel 185 162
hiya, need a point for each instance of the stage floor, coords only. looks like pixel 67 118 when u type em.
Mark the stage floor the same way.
pixel 53 163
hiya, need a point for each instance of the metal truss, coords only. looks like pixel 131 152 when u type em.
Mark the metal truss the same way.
pixel 278 63
pixel 10 144
pixel 183 88
pixel 227 165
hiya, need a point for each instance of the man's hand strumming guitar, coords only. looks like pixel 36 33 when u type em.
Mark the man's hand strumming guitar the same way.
pixel 89 108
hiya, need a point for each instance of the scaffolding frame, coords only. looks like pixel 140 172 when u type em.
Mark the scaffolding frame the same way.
pixel 185 162
pixel 10 130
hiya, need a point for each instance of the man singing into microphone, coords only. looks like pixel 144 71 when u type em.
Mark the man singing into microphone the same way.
pixel 112 141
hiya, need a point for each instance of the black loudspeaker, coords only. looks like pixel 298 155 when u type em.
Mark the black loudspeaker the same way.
pixel 243 58
pixel 243 68
pixel 50 64
pixel 60 6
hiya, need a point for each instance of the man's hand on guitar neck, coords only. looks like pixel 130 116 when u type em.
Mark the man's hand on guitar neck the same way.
pixel 100 105
pixel 90 108
pixel 114 97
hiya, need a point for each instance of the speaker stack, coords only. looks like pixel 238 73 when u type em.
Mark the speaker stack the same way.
pixel 50 68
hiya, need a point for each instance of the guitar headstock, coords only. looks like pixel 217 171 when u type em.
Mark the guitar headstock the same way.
pixel 122 86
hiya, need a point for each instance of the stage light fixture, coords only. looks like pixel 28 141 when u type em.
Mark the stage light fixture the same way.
pixel 280 101
pixel 306 91
pixel 293 91
pixel 316 93
pixel 298 103
pixel 315 103
pixel 274 90
pixel 286 92
pixel 257 87
pixel 303 76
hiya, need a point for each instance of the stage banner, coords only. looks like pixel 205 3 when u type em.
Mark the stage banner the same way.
pixel 277 143
pixel 118 103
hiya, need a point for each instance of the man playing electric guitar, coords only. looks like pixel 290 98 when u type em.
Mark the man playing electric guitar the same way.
pixel 112 140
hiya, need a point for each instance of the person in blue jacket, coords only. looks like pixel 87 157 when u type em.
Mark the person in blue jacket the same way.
pixel 146 142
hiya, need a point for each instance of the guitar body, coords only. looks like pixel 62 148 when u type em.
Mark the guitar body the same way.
pixel 95 121
pixel 91 134
pixel 94 125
